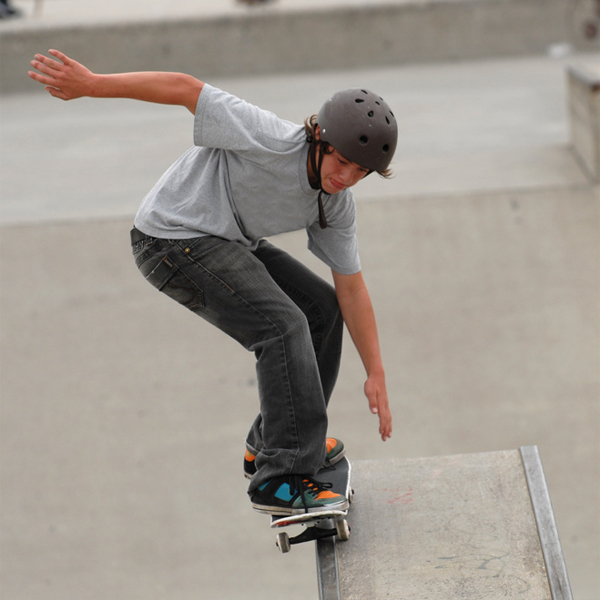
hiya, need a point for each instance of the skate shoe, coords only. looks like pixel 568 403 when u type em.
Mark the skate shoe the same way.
pixel 295 494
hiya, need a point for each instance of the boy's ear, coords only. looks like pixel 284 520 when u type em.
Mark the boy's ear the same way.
pixel 318 132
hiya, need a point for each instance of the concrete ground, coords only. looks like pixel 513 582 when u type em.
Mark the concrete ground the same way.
pixel 123 416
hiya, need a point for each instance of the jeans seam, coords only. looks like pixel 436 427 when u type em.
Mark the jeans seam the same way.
pixel 290 403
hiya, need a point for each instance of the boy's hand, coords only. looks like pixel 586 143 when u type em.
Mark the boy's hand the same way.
pixel 375 391
pixel 66 79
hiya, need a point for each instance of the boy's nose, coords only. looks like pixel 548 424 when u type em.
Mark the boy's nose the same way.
pixel 346 175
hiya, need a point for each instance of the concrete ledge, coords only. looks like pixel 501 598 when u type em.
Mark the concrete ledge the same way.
pixel 584 112
pixel 465 526
pixel 271 41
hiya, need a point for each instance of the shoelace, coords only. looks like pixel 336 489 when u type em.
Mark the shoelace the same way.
pixel 309 485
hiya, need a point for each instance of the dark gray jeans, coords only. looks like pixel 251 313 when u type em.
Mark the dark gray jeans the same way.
pixel 280 310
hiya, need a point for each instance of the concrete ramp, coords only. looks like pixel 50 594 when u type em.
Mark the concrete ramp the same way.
pixel 476 526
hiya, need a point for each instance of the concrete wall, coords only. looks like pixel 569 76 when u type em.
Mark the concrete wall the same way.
pixel 273 41
pixel 584 111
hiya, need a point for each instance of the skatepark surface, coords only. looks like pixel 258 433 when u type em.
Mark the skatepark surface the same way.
pixel 124 416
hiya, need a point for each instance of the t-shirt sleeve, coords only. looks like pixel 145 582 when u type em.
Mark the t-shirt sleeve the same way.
pixel 225 121
pixel 337 245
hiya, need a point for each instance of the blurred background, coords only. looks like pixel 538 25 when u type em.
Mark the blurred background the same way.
pixel 124 416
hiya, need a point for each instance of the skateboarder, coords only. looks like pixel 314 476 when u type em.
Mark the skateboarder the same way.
pixel 199 238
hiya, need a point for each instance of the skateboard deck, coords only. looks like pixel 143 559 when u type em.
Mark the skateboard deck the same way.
pixel 321 524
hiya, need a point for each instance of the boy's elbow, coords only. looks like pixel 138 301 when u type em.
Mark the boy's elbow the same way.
pixel 196 89
pixel 349 285
pixel 189 89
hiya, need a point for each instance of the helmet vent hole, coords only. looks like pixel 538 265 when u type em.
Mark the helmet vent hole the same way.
pixel 371 114
pixel 385 148
pixel 364 140
pixel 387 120
pixel 359 100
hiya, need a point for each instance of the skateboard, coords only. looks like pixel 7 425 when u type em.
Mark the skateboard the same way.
pixel 322 524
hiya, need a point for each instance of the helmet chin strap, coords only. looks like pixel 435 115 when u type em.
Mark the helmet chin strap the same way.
pixel 316 169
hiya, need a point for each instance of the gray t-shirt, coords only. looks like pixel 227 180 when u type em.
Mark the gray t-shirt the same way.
pixel 246 179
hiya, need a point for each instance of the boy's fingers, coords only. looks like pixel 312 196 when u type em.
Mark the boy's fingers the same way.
pixel 385 423
pixel 62 57
pixel 46 62
pixel 385 418
pixel 38 77
pixel 47 72
pixel 385 429
pixel 45 80
pixel 54 92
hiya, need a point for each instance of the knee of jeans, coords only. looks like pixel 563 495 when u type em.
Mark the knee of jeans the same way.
pixel 297 327
pixel 293 329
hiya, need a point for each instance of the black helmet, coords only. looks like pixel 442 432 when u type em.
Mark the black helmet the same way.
pixel 361 127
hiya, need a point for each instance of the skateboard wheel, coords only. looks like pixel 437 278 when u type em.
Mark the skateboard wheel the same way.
pixel 283 542
pixel 343 530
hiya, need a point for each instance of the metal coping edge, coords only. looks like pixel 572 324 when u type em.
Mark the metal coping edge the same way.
pixel 327 569
pixel 556 568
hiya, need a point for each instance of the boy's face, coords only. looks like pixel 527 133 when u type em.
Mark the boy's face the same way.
pixel 337 172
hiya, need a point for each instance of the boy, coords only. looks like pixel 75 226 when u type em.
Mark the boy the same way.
pixel 199 238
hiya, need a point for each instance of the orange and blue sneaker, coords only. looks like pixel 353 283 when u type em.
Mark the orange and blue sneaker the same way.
pixel 296 494
pixel 335 453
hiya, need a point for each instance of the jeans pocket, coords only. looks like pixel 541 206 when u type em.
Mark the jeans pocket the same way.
pixel 143 250
pixel 158 274
pixel 167 277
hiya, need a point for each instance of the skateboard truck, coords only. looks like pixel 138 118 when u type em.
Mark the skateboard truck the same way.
pixel 327 527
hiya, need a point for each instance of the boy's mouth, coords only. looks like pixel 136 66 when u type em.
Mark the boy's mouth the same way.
pixel 336 185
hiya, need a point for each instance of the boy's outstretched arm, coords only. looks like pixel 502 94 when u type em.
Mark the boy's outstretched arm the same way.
pixel 67 79
pixel 358 314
